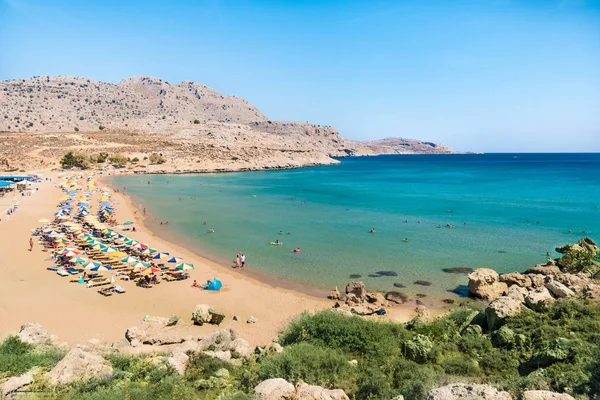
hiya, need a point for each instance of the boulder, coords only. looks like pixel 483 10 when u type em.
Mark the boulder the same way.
pixel 34 333
pixel 572 280
pixel 178 361
pixel 172 320
pixel 537 280
pixel 240 348
pixel 221 355
pixel 275 389
pixel 352 299
pixel 516 278
pixel 358 289
pixel 79 364
pixel 483 283
pixel 396 297
pixel 220 339
pixel 205 314
pixel 423 313
pixel 539 299
pixel 334 294
pixel 545 395
pixel 310 392
pixel 16 382
pixel 251 320
pixel 465 391
pixel 592 291
pixel 377 298
pixel 500 309
pixel 363 310
pixel 559 290
pixel 546 270
pixel 275 348
pixel 517 293
pixel 154 335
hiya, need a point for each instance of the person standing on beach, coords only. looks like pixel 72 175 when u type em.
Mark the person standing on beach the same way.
pixel 238 261
pixel 243 259
pixel 30 244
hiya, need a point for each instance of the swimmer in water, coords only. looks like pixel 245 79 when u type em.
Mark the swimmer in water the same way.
pixel 439 226
pixel 405 240
pixel 281 232
pixel 277 241
pixel 211 231
pixel 204 223
pixel 372 230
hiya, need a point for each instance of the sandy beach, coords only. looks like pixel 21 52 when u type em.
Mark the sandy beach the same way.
pixel 28 292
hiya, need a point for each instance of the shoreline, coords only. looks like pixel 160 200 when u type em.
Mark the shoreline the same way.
pixel 76 314
pixel 435 303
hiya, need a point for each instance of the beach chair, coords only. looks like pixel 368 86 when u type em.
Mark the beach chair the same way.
pixel 98 282
pixel 107 291
pixel 53 267
pixel 119 290
pixel 62 272
pixel 73 271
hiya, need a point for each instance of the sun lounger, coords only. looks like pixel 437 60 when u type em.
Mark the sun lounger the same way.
pixel 62 272
pixel 73 271
pixel 53 267
pixel 119 289
pixel 98 282
pixel 107 291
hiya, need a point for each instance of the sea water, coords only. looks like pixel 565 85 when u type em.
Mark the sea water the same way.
pixel 506 212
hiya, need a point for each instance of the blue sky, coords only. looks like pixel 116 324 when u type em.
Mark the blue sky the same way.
pixel 479 75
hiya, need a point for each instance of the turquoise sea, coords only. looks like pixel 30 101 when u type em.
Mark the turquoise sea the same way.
pixel 330 210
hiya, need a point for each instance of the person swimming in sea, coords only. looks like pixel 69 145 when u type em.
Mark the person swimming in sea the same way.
pixel 277 241
pixel 372 230
pixel 211 231
pixel 296 250
pixel 405 240
pixel 281 232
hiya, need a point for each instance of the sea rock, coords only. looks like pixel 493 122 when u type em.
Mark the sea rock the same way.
pixel 458 270
pixel 275 389
pixel 573 281
pixel 387 273
pixel 355 276
pixel 358 289
pixel 79 364
pixel 178 361
pixel 545 395
pixel 449 301
pixel 537 280
pixel 465 391
pixel 399 285
pixel 17 382
pixel 501 308
pixel 34 333
pixel 559 290
pixel 396 297
pixel 483 283
pixel 251 320
pixel 221 355
pixel 584 244
pixel 422 283
pixel 516 278
pixel 240 348
pixel 539 299
pixel 310 392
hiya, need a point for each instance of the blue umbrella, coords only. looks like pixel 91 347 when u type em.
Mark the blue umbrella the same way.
pixel 159 256
pixel 175 259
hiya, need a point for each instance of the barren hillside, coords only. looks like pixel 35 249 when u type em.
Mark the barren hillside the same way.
pixel 193 126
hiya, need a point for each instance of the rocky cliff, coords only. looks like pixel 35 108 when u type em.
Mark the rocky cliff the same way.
pixel 202 128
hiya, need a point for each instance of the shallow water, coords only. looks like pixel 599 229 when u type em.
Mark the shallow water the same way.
pixel 330 210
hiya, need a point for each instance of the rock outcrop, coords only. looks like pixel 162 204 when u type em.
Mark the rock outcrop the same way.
pixel 79 364
pixel 34 333
pixel 280 389
pixel 16 382
pixel 463 391
pixel 484 284
pixel 501 308
pixel 205 314
pixel 545 395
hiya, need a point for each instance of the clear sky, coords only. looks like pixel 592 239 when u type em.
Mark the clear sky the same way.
pixel 478 75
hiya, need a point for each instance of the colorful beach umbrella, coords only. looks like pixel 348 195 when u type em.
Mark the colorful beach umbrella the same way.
pixel 92 264
pixel 175 259
pixel 150 270
pixel 70 253
pixel 184 266
pixel 78 260
pixel 100 268
pixel 130 259
pixel 161 256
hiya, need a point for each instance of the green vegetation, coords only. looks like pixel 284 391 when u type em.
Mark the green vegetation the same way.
pixel 17 357
pixel 581 261
pixel 156 159
pixel 118 159
pixel 100 158
pixel 557 350
pixel 75 159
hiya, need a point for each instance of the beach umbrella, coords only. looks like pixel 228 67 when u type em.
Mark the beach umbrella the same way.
pixel 118 254
pixel 100 268
pixel 61 240
pixel 184 266
pixel 161 256
pixel 70 253
pixel 108 250
pixel 152 251
pixel 57 245
pixel 78 260
pixel 43 221
pixel 150 270
pixel 99 246
pixel 214 284
pixel 145 251
pixel 130 259
pixel 92 264
pixel 140 264
pixel 175 259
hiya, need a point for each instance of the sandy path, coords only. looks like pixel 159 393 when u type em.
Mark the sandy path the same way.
pixel 28 292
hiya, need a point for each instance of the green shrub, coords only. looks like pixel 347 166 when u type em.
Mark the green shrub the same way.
pixel 118 159
pixel 156 159
pixel 74 159
pixel 17 357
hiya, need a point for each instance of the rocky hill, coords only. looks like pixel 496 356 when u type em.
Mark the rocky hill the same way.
pixel 202 128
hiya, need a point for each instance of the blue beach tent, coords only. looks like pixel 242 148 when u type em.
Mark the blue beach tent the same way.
pixel 214 284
